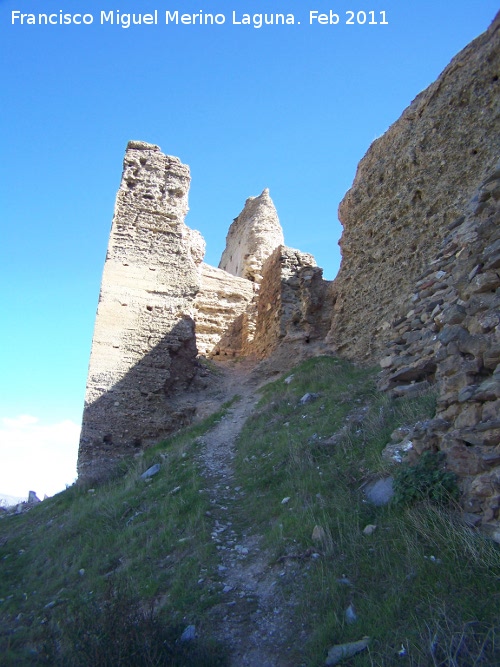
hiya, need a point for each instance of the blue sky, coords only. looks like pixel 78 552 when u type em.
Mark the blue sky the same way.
pixel 293 108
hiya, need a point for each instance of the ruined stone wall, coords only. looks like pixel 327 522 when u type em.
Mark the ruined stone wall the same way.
pixel 143 348
pixel 292 303
pixel 420 273
pixel 252 237
pixel 450 339
pixel 160 306
pixel 223 305
pixel 413 182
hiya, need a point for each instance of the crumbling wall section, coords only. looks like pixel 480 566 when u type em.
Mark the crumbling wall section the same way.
pixel 292 303
pixel 412 184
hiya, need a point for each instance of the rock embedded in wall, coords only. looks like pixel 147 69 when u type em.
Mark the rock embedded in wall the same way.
pixel 413 182
pixel 144 347
pixel 252 237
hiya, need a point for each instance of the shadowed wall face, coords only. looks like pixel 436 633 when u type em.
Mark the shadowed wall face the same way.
pixel 144 330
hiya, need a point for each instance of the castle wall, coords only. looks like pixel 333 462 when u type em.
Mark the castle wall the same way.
pixel 412 183
pixel 160 306
pixel 292 304
pixel 222 301
pixel 144 346
pixel 450 339
pixel 418 288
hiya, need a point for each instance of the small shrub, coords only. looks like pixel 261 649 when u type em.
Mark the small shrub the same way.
pixel 427 480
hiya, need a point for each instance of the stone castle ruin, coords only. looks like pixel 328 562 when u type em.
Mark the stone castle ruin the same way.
pixel 161 306
pixel 418 289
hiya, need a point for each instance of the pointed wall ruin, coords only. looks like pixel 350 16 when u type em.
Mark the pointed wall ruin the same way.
pixel 252 237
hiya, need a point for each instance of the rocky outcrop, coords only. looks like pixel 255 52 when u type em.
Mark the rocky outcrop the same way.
pixel 292 304
pixel 144 347
pixel 225 306
pixel 450 339
pixel 411 185
pixel 252 237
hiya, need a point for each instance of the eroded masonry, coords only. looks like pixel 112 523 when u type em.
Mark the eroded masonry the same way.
pixel 161 306
pixel 418 290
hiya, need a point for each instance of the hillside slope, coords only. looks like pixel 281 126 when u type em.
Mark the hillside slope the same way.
pixel 250 544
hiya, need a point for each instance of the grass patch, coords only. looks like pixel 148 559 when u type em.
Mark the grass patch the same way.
pixel 423 586
pixel 91 576
pixel 113 576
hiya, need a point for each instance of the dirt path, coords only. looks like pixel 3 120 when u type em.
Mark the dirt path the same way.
pixel 252 618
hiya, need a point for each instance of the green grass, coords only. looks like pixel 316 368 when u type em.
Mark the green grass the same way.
pixel 125 555
pixel 111 576
pixel 422 582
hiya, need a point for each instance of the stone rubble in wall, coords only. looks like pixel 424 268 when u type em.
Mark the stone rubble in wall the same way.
pixel 450 339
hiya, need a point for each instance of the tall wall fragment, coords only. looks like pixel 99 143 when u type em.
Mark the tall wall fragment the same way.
pixel 413 182
pixel 450 338
pixel 252 237
pixel 144 347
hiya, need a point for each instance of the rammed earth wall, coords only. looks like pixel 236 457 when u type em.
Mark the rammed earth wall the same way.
pixel 420 268
pixel 160 306
pixel 412 183
pixel 144 340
